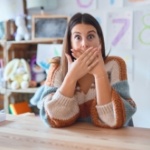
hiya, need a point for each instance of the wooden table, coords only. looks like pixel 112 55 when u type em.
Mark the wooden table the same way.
pixel 29 132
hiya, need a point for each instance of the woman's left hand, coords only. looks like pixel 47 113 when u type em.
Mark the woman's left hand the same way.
pixel 99 68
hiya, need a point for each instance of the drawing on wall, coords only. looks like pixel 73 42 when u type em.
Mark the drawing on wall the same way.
pixel 110 3
pixel 87 4
pixel 119 33
pixel 136 2
pixel 141 30
pixel 116 3
pixel 47 51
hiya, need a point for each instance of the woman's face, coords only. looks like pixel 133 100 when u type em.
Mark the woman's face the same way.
pixel 84 36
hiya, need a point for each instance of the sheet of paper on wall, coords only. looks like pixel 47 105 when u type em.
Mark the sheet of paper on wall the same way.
pixel 128 56
pixel 86 5
pixel 110 3
pixel 136 2
pixel 142 67
pixel 47 51
pixel 119 30
pixel 101 18
pixel 141 38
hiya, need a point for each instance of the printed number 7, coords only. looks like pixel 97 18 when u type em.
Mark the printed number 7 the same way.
pixel 123 30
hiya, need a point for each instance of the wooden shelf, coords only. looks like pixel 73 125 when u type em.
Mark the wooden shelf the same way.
pixel 28 90
pixel 54 40
pixel 8 49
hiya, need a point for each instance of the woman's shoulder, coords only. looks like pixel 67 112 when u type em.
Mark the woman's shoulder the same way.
pixel 54 73
pixel 116 66
pixel 55 60
pixel 117 59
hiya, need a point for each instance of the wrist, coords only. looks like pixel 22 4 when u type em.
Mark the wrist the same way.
pixel 70 79
pixel 99 77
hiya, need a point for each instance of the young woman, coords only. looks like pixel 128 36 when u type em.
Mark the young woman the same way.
pixel 84 84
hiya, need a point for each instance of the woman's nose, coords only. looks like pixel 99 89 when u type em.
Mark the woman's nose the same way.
pixel 85 43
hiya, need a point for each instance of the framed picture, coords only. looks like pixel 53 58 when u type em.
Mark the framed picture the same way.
pixel 49 26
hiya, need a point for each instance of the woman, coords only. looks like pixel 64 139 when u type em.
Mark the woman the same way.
pixel 86 85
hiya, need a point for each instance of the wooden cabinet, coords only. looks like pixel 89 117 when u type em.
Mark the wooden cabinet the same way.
pixel 21 49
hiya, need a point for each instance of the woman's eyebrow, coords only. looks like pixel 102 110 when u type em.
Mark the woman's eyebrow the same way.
pixel 76 32
pixel 92 31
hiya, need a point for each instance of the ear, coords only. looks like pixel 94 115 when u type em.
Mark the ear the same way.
pixel 11 68
pixel 26 67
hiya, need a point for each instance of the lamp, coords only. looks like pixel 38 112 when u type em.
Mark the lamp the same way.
pixel 33 5
pixel 10 9
pixel 46 4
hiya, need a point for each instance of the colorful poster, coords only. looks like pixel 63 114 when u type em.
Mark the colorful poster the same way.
pixel 87 4
pixel 142 30
pixel 47 51
pixel 136 2
pixel 119 30
pixel 113 3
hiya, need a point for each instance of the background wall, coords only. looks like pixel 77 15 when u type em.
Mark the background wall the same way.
pixel 122 22
pixel 126 27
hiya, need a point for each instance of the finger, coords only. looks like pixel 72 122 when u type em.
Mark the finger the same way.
pixel 93 64
pixel 89 55
pixel 86 53
pixel 92 58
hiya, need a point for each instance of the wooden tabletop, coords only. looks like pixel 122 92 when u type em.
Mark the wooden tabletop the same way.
pixel 29 132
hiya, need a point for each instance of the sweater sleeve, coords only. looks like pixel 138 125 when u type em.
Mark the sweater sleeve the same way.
pixel 61 111
pixel 119 111
pixel 56 109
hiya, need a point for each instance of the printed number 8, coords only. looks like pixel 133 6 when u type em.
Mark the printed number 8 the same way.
pixel 145 30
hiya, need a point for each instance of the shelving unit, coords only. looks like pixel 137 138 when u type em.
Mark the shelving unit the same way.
pixel 14 47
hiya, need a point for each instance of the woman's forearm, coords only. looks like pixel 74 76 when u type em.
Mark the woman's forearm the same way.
pixel 68 86
pixel 103 88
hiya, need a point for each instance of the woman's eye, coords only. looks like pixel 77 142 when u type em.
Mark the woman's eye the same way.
pixel 77 37
pixel 90 36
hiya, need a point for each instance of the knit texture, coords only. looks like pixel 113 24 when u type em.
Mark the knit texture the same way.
pixel 58 110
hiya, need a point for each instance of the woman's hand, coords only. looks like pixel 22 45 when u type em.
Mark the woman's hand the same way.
pixel 84 63
pixel 98 69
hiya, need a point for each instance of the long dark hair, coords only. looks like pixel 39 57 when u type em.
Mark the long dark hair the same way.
pixel 79 18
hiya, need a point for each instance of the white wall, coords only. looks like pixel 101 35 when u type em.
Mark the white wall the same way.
pixel 138 68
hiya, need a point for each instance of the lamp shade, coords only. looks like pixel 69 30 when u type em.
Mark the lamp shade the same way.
pixel 47 4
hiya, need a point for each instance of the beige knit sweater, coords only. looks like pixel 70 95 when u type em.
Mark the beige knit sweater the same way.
pixel 60 111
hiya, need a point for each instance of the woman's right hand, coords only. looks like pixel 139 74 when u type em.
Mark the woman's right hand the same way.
pixel 81 66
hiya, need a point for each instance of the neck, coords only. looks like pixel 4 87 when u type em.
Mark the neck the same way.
pixel 85 82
